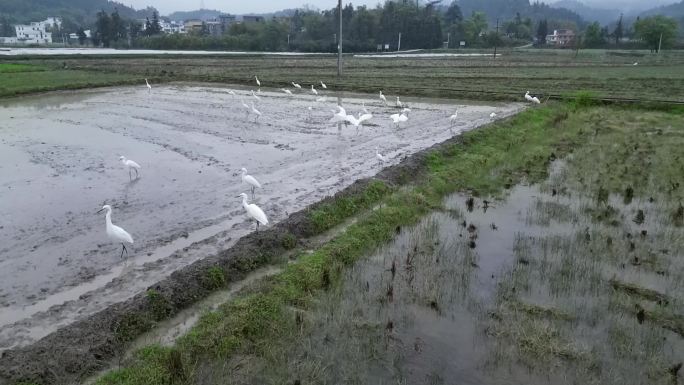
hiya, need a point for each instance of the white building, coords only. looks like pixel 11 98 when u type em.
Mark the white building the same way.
pixel 38 32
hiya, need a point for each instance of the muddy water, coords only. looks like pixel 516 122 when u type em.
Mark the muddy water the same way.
pixel 440 303
pixel 415 311
pixel 58 166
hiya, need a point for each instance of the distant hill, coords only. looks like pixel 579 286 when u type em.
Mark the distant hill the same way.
pixel 211 14
pixel 506 10
pixel 590 14
pixel 673 10
pixel 74 12
pixel 201 14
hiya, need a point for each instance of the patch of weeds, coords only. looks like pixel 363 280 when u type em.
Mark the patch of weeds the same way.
pixel 130 326
pixel 159 305
pixel 329 215
pixel 215 279
pixel 289 241
pixel 540 311
pixel 640 217
pixel 640 292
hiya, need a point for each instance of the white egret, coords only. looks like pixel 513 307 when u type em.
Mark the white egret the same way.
pixel 358 122
pixel 323 85
pixel 131 165
pixel 257 81
pixel 297 86
pixel 116 233
pixel 531 99
pixel 256 112
pixel 636 63
pixel 250 180
pixel 313 90
pixel 287 91
pixel 398 118
pixel 149 87
pixel 492 115
pixel 255 96
pixel 253 211
pixel 340 116
pixel 247 108
pixel 399 103
pixel 379 156
pixel 453 118
pixel 383 98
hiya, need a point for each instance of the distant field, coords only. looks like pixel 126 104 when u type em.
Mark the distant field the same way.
pixel 607 74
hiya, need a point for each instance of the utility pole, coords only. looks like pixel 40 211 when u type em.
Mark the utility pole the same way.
pixel 339 42
pixel 660 42
pixel 496 40
pixel 399 44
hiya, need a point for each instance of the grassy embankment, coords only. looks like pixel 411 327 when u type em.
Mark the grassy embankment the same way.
pixel 21 78
pixel 488 160
pixel 607 74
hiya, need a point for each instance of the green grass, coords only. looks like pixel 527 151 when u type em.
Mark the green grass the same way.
pixel 14 67
pixel 489 159
pixel 544 72
pixel 23 82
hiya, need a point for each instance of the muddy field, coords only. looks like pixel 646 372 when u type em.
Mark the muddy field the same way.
pixel 59 165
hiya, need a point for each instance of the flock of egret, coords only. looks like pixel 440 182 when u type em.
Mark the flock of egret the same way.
pixel 119 235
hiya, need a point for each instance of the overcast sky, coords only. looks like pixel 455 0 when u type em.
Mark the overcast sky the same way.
pixel 261 6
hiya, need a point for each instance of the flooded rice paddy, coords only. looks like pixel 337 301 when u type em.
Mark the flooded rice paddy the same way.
pixel 546 285
pixel 59 165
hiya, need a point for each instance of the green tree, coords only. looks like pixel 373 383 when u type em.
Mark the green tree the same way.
pixel 653 29
pixel 103 29
pixel 542 31
pixel 6 27
pixel 593 37
pixel 453 14
pixel 117 26
pixel 618 33
pixel 475 26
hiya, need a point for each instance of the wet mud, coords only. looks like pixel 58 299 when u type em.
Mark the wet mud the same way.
pixel 62 282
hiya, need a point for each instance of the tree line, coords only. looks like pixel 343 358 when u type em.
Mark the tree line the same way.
pixel 395 24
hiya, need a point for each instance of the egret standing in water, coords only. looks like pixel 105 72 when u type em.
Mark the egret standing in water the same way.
pixel 379 156
pixel 323 85
pixel 297 86
pixel 383 98
pixel 131 165
pixel 286 91
pixel 247 108
pixel 453 118
pixel 250 180
pixel 116 233
pixel 492 115
pixel 313 90
pixel 256 112
pixel 399 103
pixel 149 87
pixel 398 118
pixel 257 81
pixel 254 211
